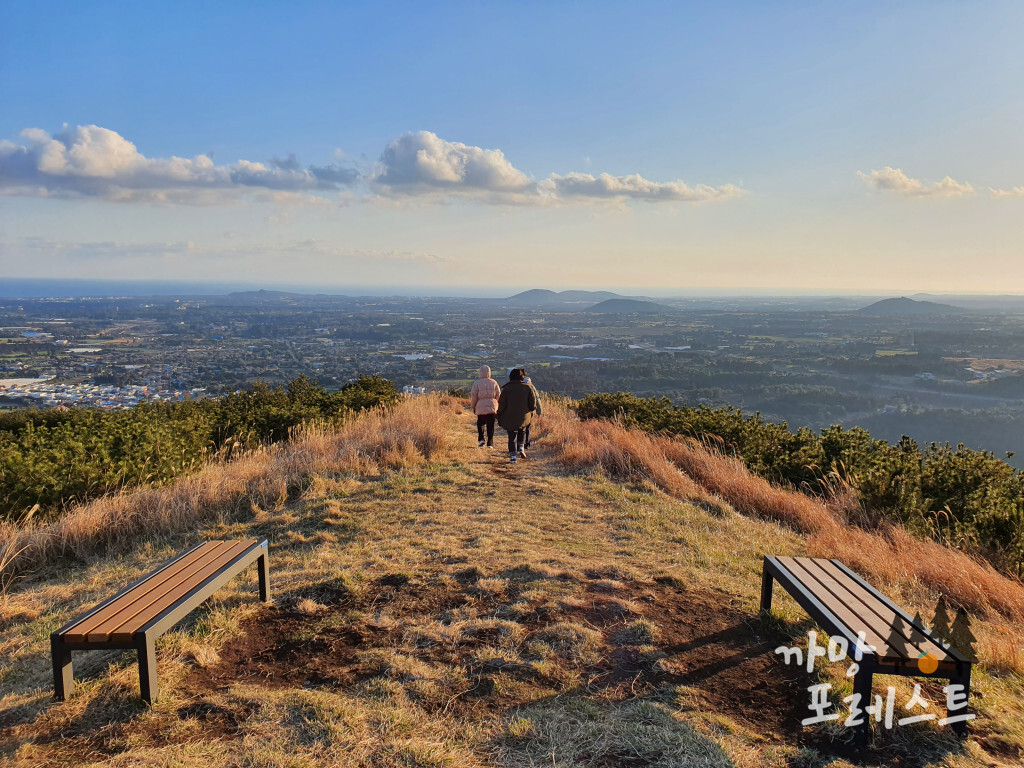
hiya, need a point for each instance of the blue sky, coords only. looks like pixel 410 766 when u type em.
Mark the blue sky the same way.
pixel 732 146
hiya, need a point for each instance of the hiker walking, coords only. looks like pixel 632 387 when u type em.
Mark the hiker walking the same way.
pixel 536 395
pixel 484 402
pixel 515 411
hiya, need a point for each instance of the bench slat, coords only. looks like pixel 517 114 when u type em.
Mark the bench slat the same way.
pixel 126 617
pixel 918 642
pixel 185 604
pixel 132 602
pixel 78 630
pixel 841 611
pixel 807 599
pixel 856 579
pixel 126 631
pixel 138 601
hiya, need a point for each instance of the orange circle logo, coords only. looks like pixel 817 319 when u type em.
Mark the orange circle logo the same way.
pixel 927 663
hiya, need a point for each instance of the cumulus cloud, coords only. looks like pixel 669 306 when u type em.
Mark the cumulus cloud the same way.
pixel 895 180
pixel 421 161
pixel 91 161
pixel 423 164
pixel 634 187
pixel 1011 192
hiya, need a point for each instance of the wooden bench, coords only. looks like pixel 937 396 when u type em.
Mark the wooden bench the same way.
pixel 142 612
pixel 843 604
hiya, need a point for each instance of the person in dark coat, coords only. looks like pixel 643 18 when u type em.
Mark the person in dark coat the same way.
pixel 515 411
pixel 536 395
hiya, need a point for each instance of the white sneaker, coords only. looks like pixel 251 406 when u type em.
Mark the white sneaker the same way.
pixel 512 458
pixel 480 443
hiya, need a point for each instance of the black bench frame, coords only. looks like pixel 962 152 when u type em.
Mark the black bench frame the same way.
pixel 870 664
pixel 144 639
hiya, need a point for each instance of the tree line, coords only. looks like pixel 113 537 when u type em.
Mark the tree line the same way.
pixel 52 459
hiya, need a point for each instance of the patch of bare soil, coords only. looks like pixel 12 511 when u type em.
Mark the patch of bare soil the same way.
pixel 700 641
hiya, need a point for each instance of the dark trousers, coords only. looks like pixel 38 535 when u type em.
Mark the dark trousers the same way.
pixel 527 443
pixel 516 440
pixel 485 420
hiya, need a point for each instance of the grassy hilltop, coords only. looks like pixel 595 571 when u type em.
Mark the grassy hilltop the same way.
pixel 595 605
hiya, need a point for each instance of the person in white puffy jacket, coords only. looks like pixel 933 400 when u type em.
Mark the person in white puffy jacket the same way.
pixel 484 402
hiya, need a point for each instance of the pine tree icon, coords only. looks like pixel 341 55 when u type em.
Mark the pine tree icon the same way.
pixel 897 640
pixel 940 624
pixel 927 661
pixel 961 636
pixel 918 630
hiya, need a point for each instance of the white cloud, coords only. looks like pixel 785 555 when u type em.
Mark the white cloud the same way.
pixel 895 180
pixel 91 161
pixel 1011 192
pixel 423 164
pixel 422 161
pixel 634 187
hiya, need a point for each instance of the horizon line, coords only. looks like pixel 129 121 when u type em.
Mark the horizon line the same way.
pixel 221 287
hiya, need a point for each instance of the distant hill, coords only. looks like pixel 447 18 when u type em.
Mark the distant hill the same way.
pixel 539 297
pixel 629 307
pixel 905 306
pixel 533 296
pixel 978 302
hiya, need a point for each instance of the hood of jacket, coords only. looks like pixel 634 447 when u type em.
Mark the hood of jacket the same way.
pixel 485 372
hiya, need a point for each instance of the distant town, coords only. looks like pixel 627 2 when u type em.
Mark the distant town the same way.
pixel 935 368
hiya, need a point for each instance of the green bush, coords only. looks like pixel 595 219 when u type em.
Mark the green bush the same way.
pixel 56 458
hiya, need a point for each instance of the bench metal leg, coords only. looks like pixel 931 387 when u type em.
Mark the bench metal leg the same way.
pixel 963 677
pixel 862 685
pixel 146 647
pixel 63 676
pixel 766 590
pixel 264 569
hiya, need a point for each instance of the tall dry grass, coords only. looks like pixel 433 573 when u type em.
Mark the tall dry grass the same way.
pixel 367 442
pixel 690 471
pixel 604 446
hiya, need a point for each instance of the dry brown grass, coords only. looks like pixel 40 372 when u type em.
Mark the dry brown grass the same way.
pixel 367 442
pixel 465 612
pixel 889 555
pixel 621 454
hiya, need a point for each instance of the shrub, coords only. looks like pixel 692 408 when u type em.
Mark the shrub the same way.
pixel 50 460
